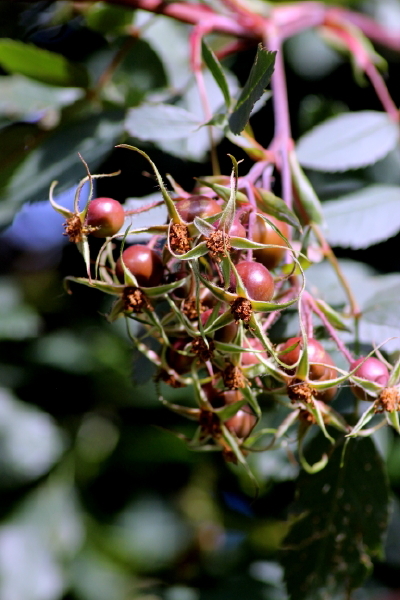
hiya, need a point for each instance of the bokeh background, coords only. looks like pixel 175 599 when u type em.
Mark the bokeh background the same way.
pixel 98 499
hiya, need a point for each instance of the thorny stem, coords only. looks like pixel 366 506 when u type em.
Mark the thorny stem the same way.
pixel 329 254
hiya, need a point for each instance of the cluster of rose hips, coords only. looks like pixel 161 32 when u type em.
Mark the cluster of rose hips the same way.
pixel 206 290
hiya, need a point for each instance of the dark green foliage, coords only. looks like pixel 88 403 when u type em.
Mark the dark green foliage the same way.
pixel 340 515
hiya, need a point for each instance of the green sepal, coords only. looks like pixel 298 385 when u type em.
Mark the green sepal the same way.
pixel 218 292
pixel 276 207
pixel 199 250
pixel 60 209
pixel 363 420
pixel 317 466
pixel 393 420
pixel 307 196
pixel 159 290
pixel 220 321
pixel 115 290
pixel 203 226
pixel 228 214
pixel 224 192
pixel 332 315
pixel 184 411
pixel 252 401
pixel 395 374
pixel 172 211
pixel 230 410
pixel 233 445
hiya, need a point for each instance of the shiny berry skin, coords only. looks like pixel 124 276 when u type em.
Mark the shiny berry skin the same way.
pixel 373 370
pixel 257 280
pixel 225 334
pixel 197 206
pixel 106 214
pixel 144 263
pixel 316 354
pixel 264 234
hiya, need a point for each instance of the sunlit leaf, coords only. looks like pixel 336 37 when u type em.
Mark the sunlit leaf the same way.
pixel 348 141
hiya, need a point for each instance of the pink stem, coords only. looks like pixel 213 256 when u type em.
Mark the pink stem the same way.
pixel 282 137
pixel 195 59
pixel 332 332
pixel 136 211
pixel 381 91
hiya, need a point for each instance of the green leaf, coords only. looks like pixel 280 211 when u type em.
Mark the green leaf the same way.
pixel 348 141
pixel 42 65
pixel 259 77
pixel 308 198
pixel 276 207
pixel 342 515
pixel 108 20
pixel 57 159
pixel 332 315
pixel 363 218
pixel 217 72
pixel 21 96
pixel 155 122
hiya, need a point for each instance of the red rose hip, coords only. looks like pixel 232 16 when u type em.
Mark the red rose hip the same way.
pixel 257 280
pixel 144 263
pixel 371 369
pixel 107 215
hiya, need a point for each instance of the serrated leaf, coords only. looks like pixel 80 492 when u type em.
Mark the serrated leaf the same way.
pixel 348 141
pixel 259 77
pixel 342 517
pixel 308 198
pixel 41 65
pixel 363 218
pixel 217 72
pixel 156 122
pixel 276 207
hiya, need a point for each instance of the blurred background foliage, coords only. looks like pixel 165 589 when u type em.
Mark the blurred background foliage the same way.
pixel 98 500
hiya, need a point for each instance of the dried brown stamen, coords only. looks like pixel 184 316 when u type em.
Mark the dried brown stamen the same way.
pixel 201 350
pixel 189 308
pixel 299 391
pixel 241 309
pixel 218 243
pixel 233 378
pixel 74 229
pixel 179 238
pixel 209 423
pixel 135 300
pixel 389 400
